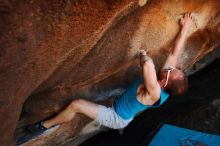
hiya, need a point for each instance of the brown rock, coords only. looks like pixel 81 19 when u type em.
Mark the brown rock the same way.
pixel 56 51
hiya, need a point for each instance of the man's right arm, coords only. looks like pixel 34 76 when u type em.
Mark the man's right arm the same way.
pixel 177 48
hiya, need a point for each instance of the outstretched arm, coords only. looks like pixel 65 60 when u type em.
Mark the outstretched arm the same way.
pixel 177 48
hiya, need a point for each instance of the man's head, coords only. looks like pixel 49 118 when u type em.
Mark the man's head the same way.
pixel 174 81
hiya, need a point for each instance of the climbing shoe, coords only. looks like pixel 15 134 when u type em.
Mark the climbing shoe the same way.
pixel 32 132
pixel 37 128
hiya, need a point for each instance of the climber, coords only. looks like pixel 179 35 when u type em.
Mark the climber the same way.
pixel 150 91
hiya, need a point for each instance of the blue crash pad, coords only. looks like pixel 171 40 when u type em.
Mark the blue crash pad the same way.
pixel 169 135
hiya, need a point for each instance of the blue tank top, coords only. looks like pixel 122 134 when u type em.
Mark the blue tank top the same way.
pixel 127 105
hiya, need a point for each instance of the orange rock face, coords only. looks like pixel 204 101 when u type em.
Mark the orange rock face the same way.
pixel 55 51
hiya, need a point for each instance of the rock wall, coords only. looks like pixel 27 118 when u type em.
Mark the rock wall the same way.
pixel 55 51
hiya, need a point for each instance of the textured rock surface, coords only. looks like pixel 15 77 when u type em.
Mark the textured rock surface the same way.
pixel 56 51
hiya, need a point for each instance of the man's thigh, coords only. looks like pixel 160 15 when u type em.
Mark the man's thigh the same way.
pixel 87 108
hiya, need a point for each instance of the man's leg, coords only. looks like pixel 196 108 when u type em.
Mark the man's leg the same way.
pixel 82 106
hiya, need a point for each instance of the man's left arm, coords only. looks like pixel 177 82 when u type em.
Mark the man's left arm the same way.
pixel 150 78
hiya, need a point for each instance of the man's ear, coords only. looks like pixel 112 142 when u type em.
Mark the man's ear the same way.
pixel 163 81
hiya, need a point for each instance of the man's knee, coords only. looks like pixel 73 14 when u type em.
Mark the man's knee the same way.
pixel 75 104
